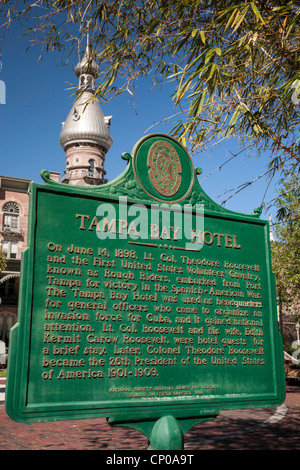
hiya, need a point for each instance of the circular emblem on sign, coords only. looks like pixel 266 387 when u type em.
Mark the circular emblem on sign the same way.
pixel 164 168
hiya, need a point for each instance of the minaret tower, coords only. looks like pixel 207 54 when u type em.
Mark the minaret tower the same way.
pixel 85 135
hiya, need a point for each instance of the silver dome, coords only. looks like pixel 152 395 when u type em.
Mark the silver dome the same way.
pixel 87 65
pixel 85 123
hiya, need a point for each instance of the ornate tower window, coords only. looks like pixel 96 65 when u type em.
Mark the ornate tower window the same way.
pixel 92 166
pixel 11 213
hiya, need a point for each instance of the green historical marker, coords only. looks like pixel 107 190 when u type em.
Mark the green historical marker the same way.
pixel 145 302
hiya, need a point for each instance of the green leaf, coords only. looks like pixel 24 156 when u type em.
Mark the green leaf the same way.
pixel 241 18
pixel 234 119
pixel 212 70
pixel 182 89
pixel 209 54
pixel 231 18
pixel 200 106
pixel 256 12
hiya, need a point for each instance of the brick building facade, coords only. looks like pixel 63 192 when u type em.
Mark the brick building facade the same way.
pixel 14 199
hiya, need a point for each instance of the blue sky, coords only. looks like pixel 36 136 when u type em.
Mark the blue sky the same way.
pixel 38 101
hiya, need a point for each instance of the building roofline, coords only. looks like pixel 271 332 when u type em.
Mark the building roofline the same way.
pixel 14 183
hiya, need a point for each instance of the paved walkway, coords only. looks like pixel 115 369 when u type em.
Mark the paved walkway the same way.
pixel 256 429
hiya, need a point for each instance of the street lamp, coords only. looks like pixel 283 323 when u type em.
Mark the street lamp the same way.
pixel 297 331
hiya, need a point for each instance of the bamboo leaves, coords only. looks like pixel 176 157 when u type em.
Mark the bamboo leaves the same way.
pixel 232 63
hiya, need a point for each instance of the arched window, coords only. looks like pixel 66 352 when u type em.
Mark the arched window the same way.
pixel 11 212
pixel 92 167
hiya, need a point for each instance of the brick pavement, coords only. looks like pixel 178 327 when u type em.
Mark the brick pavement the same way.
pixel 254 429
